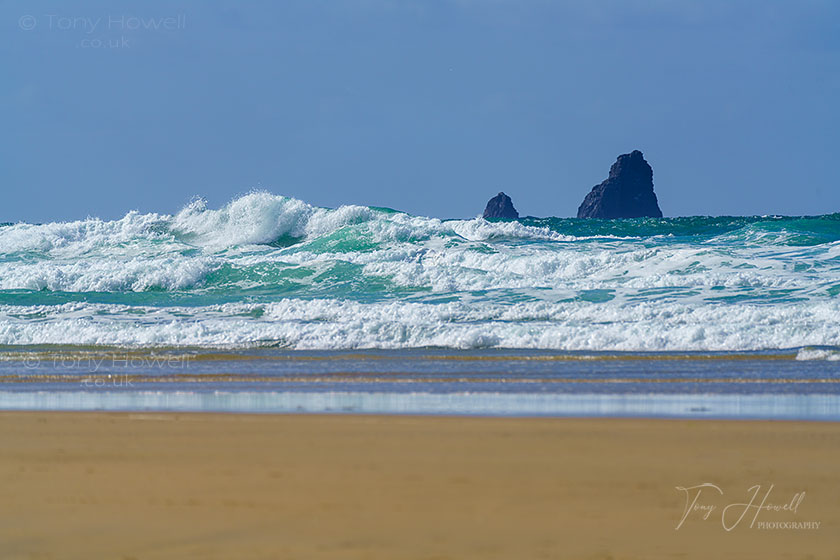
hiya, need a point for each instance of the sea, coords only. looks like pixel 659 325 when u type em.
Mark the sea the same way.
pixel 271 304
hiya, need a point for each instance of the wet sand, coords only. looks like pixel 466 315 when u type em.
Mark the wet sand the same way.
pixel 141 486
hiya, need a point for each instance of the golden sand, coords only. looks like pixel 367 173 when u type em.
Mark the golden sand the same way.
pixel 145 486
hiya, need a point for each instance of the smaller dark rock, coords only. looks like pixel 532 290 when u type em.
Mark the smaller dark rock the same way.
pixel 500 206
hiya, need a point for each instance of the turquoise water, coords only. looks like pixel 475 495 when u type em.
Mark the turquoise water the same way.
pixel 269 271
pixel 267 279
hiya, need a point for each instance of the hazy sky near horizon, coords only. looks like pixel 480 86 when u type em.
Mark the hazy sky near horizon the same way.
pixel 430 107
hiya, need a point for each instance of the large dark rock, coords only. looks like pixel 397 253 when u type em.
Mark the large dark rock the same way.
pixel 500 206
pixel 627 192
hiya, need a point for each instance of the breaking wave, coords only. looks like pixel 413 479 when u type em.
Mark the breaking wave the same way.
pixel 267 269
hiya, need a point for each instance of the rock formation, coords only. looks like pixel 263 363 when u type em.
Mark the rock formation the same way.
pixel 627 192
pixel 500 206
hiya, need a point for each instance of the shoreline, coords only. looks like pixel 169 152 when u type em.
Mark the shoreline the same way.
pixel 171 485
pixel 423 381
pixel 567 401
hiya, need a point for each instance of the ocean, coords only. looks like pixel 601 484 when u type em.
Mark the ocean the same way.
pixel 272 304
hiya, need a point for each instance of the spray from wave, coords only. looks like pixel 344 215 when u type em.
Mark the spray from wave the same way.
pixel 267 269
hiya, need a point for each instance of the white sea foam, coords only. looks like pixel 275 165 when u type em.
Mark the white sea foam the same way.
pixel 832 355
pixel 436 264
pixel 356 277
pixel 82 238
pixel 333 324
pixel 106 275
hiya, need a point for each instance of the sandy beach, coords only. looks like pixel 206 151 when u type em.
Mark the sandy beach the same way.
pixel 141 486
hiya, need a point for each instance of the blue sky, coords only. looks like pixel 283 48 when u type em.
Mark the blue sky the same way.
pixel 429 107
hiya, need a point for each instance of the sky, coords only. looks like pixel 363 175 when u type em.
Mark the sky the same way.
pixel 430 107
